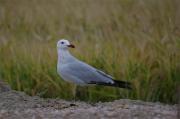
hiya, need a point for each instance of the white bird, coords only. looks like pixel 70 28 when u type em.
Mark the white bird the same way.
pixel 80 73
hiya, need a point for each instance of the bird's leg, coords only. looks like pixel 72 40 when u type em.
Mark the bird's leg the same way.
pixel 77 92
pixel 82 93
pixel 74 88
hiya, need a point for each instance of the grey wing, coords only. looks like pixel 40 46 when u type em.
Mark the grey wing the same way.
pixel 104 74
pixel 87 73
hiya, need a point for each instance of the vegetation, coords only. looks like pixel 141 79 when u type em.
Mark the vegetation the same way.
pixel 133 40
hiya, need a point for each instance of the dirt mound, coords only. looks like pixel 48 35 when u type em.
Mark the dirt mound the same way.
pixel 17 105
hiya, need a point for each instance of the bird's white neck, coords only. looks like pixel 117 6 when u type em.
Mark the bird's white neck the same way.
pixel 64 56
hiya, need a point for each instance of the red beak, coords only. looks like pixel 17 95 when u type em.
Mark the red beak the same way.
pixel 71 46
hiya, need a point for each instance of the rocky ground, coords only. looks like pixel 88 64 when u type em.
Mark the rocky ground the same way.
pixel 18 105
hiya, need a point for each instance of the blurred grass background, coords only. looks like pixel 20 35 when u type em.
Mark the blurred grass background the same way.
pixel 133 40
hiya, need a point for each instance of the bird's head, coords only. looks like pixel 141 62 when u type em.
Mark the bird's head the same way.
pixel 64 44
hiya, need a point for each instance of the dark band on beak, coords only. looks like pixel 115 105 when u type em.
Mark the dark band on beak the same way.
pixel 71 46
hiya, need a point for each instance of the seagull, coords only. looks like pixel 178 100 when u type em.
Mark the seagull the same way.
pixel 75 71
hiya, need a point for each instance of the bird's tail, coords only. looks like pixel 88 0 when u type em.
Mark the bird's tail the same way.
pixel 120 84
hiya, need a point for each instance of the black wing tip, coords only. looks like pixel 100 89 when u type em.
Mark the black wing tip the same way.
pixel 117 83
pixel 123 84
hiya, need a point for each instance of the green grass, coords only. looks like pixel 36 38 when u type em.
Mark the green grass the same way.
pixel 133 40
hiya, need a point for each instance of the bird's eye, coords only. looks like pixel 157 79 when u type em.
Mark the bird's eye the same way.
pixel 62 42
